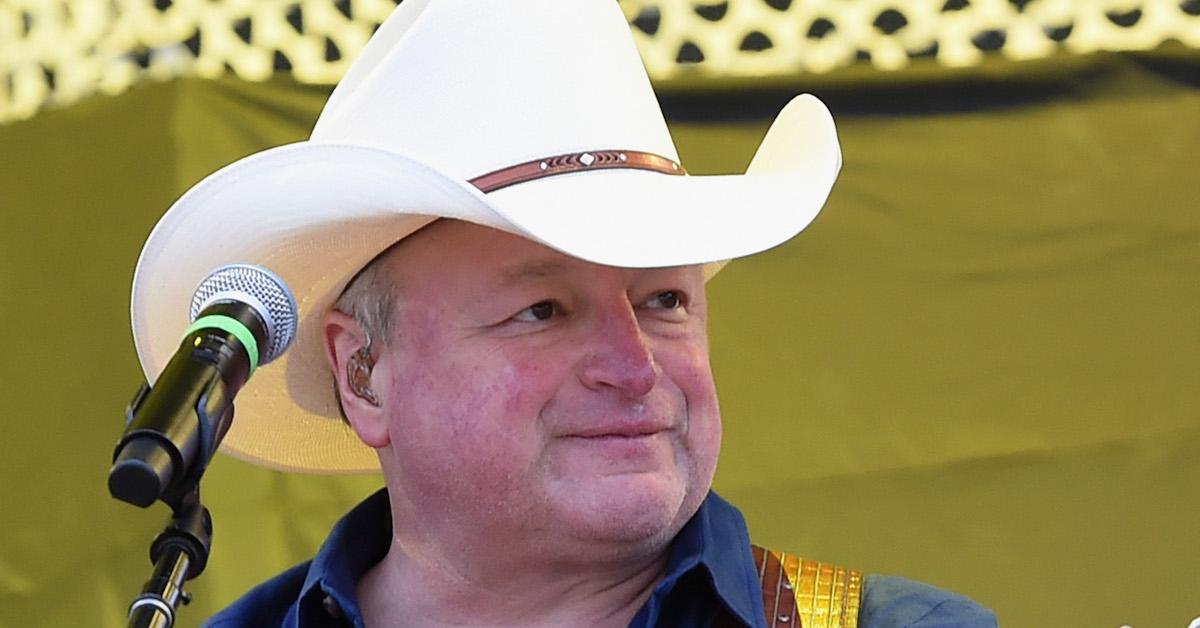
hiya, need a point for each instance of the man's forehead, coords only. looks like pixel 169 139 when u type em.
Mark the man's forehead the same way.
pixel 454 247
pixel 532 269
pixel 576 270
pixel 446 237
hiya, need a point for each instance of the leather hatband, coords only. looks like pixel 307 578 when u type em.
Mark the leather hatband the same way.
pixel 575 162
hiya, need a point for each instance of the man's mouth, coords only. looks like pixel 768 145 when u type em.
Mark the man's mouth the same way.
pixel 619 431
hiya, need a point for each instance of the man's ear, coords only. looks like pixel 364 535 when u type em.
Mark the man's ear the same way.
pixel 346 346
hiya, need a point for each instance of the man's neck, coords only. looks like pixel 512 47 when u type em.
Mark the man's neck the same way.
pixel 404 590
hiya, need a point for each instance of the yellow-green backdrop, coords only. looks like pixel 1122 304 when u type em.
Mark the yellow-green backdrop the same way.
pixel 978 368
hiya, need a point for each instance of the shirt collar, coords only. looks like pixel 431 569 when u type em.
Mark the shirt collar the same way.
pixel 358 541
pixel 715 541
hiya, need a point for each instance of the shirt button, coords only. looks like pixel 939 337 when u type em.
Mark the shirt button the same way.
pixel 331 607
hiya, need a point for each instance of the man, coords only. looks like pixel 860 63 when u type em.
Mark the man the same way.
pixel 501 269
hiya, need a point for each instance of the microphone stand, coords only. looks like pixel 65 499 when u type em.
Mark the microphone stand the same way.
pixel 168 442
pixel 179 553
pixel 173 429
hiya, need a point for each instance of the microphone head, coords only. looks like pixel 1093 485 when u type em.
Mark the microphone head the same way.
pixel 263 291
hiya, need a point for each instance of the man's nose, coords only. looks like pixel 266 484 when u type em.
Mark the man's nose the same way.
pixel 620 356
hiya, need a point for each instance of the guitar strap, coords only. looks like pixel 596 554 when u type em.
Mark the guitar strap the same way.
pixel 804 593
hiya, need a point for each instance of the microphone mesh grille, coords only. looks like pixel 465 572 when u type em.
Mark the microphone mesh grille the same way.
pixel 264 288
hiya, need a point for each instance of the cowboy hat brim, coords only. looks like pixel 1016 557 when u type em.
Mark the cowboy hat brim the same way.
pixel 316 213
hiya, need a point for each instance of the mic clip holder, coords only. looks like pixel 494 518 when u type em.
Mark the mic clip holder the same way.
pixel 179 553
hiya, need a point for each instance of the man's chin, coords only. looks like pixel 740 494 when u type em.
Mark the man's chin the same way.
pixel 631 509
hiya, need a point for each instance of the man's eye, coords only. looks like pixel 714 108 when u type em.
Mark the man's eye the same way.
pixel 539 311
pixel 669 300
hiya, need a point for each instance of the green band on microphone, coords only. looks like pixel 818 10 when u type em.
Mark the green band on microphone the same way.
pixel 233 326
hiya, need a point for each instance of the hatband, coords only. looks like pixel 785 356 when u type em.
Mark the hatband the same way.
pixel 573 162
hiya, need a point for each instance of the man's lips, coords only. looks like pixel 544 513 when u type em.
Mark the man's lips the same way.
pixel 621 441
pixel 618 431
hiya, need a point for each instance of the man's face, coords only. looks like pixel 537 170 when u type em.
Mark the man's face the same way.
pixel 537 396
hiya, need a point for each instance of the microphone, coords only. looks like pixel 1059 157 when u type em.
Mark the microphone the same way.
pixel 242 316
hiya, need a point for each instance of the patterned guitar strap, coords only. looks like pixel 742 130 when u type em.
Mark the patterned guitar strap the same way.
pixel 804 593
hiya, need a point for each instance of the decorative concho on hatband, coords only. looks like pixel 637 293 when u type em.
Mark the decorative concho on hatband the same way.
pixel 575 162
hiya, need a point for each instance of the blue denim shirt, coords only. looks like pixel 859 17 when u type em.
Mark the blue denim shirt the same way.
pixel 710 575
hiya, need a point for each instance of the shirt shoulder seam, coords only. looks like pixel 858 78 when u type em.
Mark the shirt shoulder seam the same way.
pixel 933 609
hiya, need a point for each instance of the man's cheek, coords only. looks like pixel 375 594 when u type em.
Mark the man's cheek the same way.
pixel 691 371
pixel 493 411
pixel 521 383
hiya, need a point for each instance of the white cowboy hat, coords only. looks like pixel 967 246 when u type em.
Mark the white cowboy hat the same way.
pixel 532 116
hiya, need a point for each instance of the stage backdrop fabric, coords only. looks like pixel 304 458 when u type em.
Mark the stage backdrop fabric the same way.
pixel 977 368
